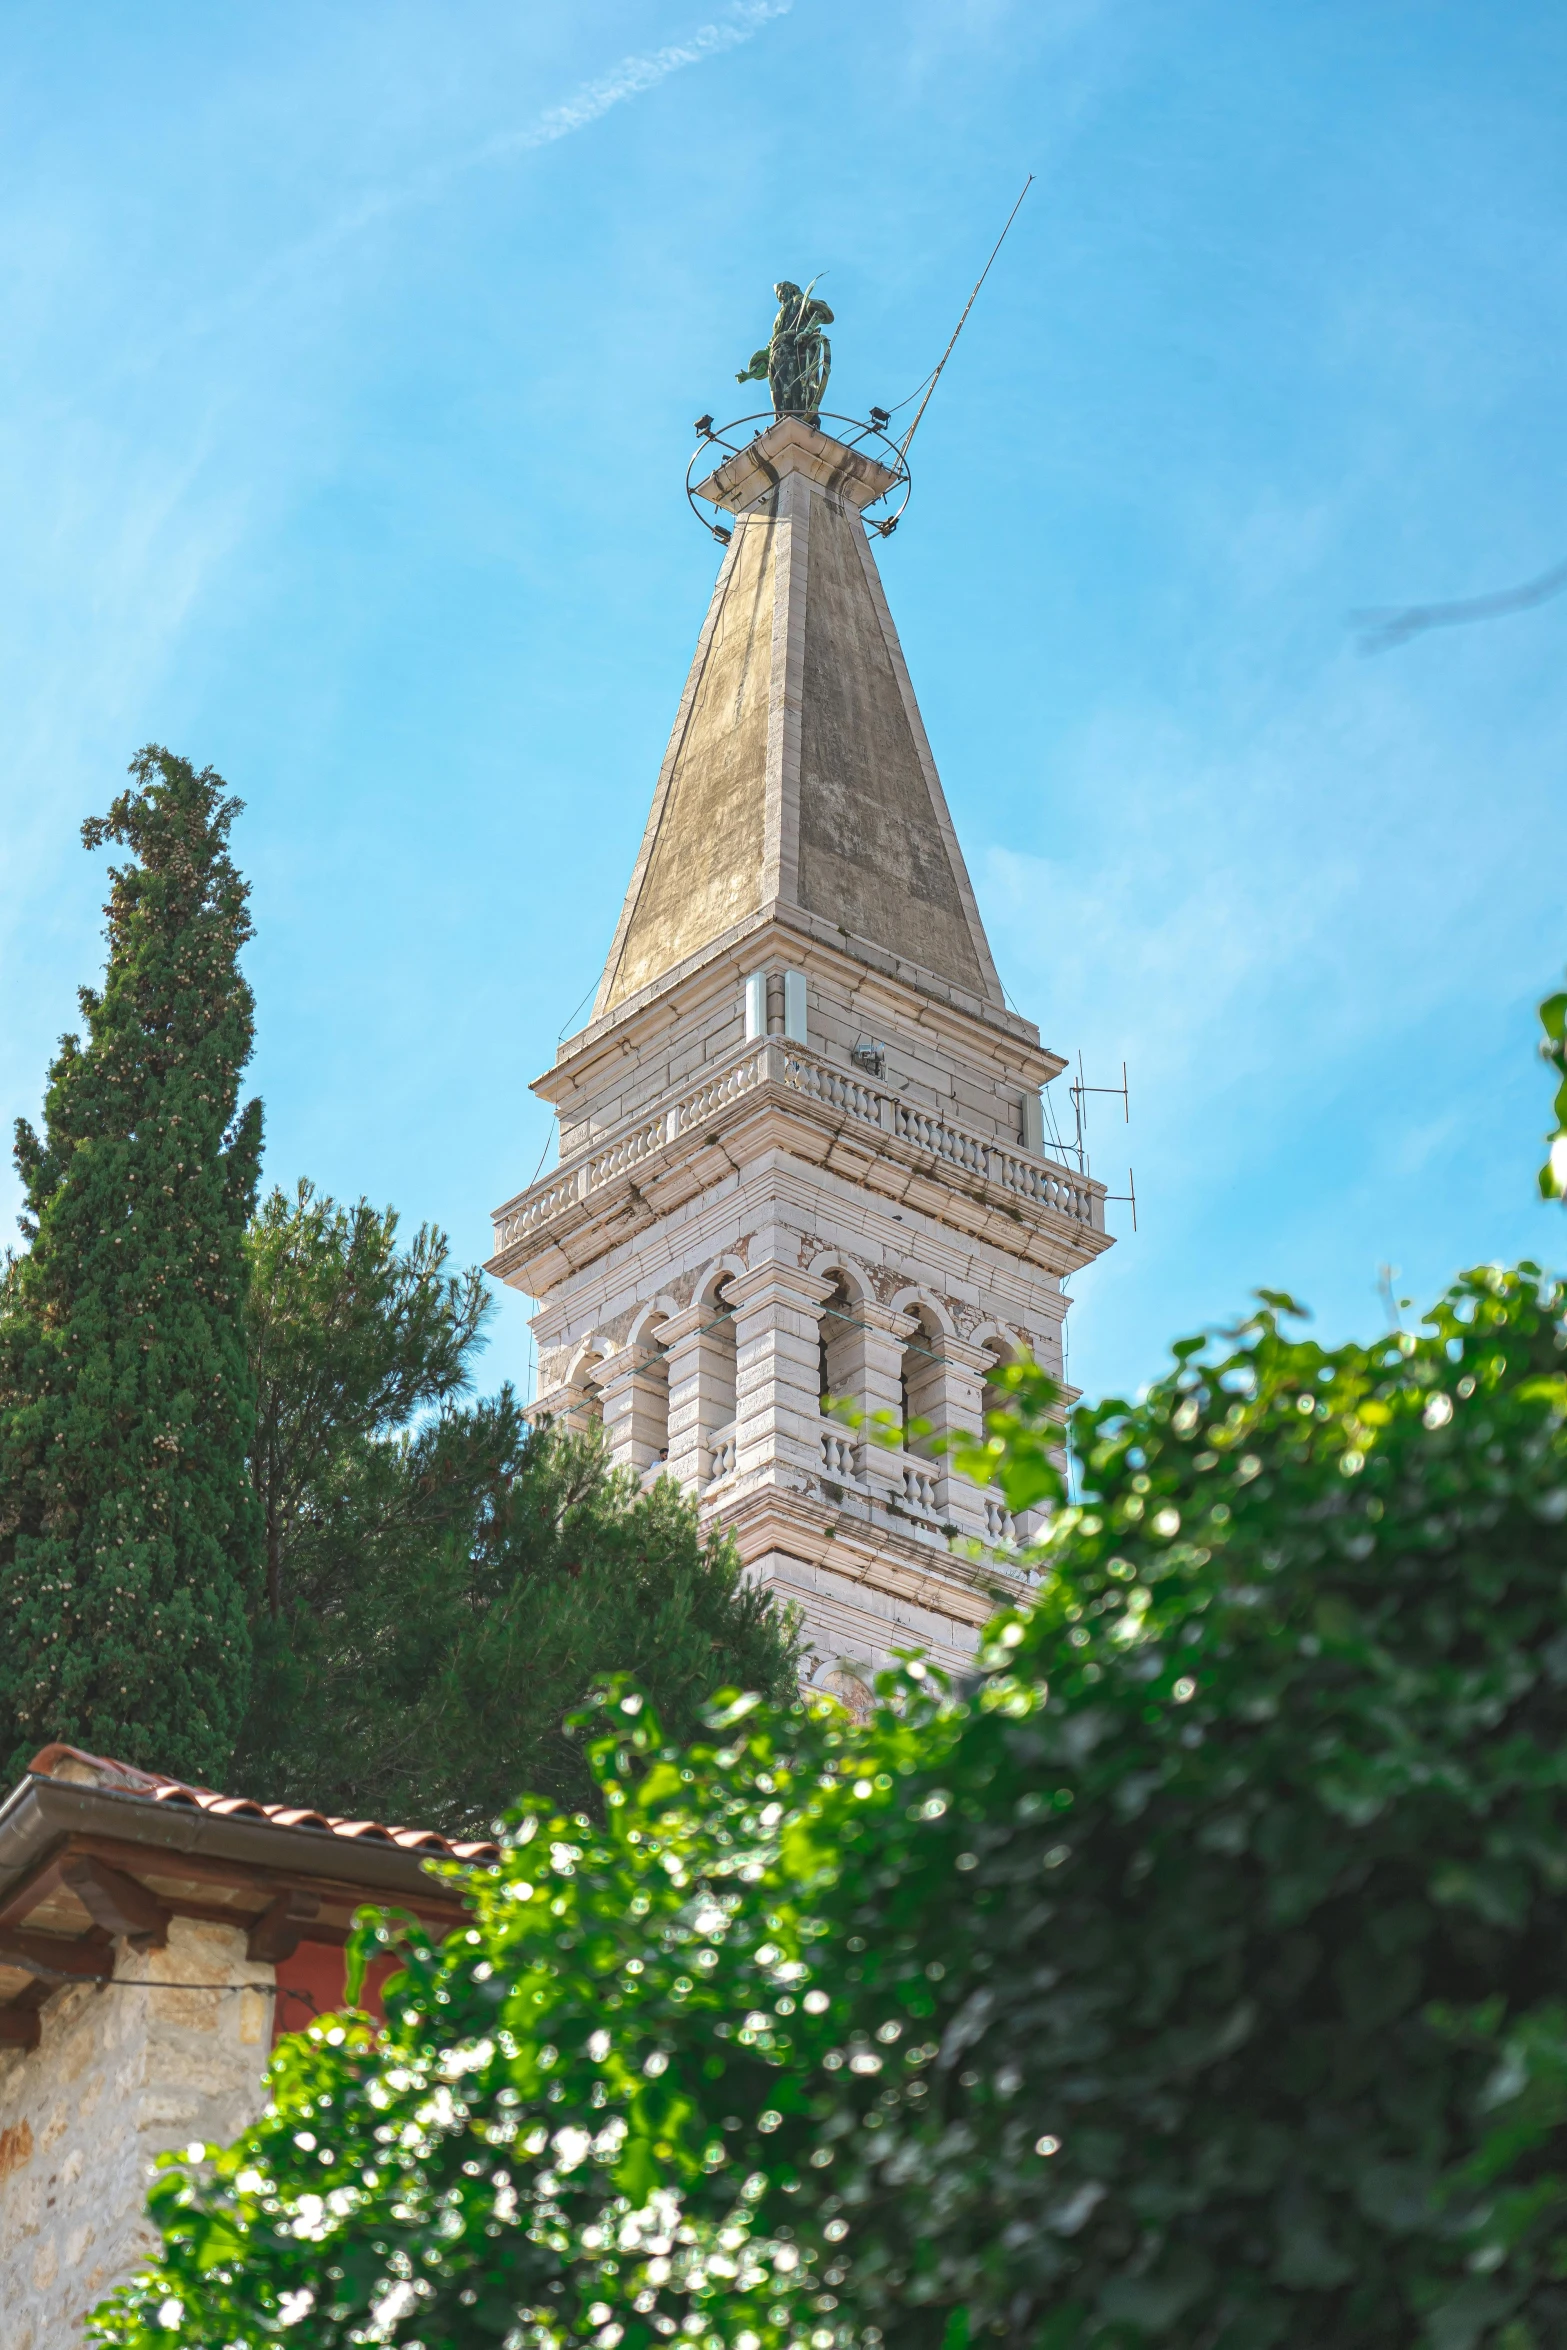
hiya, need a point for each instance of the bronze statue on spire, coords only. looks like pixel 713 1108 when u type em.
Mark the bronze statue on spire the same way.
pixel 796 362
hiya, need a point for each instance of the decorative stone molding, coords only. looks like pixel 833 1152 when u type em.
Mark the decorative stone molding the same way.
pixel 773 1096
pixel 539 1227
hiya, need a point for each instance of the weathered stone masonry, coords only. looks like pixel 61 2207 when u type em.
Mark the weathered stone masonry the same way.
pixel 800 1137
pixel 153 1938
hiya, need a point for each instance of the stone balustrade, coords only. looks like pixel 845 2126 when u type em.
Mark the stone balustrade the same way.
pixel 793 1070
pixel 838 1451
pixel 919 1488
pixel 1000 1525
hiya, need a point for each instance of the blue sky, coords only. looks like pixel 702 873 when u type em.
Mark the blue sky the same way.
pixel 345 393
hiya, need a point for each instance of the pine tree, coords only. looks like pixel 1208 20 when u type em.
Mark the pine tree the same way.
pixel 129 1526
pixel 444 1583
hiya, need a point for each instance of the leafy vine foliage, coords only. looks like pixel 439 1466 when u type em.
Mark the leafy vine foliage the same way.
pixel 128 1522
pixel 1193 1978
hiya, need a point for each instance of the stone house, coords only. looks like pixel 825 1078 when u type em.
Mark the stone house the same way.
pixel 155 1939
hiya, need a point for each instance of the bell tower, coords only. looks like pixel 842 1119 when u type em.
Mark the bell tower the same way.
pixel 801 1145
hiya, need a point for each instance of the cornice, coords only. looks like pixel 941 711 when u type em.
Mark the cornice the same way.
pixel 771 1518
pixel 933 1006
pixel 777 1096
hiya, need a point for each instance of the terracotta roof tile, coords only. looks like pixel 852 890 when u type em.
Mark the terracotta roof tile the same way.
pixel 71 1763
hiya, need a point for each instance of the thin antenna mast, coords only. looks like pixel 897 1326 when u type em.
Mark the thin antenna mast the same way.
pixel 903 445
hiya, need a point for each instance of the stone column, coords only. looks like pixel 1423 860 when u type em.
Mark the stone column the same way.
pixel 865 1345
pixel 950 1393
pixel 635 1388
pixel 699 1347
pixel 576 1408
pixel 778 1412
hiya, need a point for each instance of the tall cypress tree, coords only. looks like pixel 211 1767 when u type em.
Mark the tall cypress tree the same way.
pixel 129 1526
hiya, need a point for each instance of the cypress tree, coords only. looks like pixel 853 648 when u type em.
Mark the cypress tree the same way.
pixel 129 1526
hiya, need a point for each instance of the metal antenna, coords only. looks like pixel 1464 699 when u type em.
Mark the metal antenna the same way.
pixel 903 445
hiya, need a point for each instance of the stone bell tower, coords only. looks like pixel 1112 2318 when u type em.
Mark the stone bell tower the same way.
pixel 800 1137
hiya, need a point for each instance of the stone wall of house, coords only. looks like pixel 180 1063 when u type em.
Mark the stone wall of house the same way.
pixel 120 2075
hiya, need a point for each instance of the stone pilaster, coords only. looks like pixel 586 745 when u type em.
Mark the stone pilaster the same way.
pixel 949 1391
pixel 699 1346
pixel 778 1413
pixel 635 1388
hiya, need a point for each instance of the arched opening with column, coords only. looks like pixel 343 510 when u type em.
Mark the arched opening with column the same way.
pixel 837 1337
pixel 926 1371
pixel 699 1357
pixel 717 1384
pixel 636 1390
pixel 1003 1352
pixel 581 1405
pixel 860 1352
pixel 1003 1348
pixel 840 1351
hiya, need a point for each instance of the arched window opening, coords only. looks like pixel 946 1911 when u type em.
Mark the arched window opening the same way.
pixel 837 1350
pixel 839 1366
pixel 924 1386
pixel 716 1386
pixel 996 1397
pixel 586 1408
pixel 646 1443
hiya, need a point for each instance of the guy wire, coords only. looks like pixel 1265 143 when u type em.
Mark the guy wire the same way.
pixel 903 445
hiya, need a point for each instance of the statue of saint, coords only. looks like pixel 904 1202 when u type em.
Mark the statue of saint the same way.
pixel 797 359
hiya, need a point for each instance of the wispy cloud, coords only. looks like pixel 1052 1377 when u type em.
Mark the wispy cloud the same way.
pixel 633 75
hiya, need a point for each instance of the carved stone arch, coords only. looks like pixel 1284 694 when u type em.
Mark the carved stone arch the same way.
pixel 915 1300
pixel 584 1405
pixel 658 1309
pixel 713 1276
pixel 589 1354
pixel 1004 1342
pixel 837 1264
pixel 847 1680
pixel 1005 1346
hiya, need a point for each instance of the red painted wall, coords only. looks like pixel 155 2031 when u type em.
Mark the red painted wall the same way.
pixel 311 1984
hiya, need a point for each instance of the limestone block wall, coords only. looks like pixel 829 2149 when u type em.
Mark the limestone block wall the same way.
pixel 783 1240
pixel 865 1626
pixel 120 2075
pixel 970 1070
pixel 779 1209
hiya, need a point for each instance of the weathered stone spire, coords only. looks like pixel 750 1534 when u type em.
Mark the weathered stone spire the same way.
pixel 798 782
pixel 801 1149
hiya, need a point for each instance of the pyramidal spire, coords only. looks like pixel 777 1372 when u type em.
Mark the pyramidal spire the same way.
pixel 798 781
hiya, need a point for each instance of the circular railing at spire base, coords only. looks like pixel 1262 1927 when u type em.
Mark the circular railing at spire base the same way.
pixel 886 451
